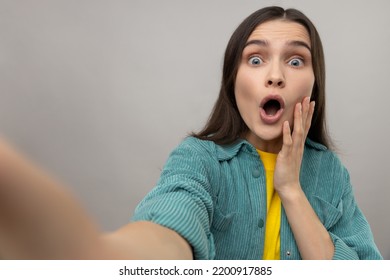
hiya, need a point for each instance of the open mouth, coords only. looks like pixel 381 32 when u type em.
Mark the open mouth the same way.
pixel 271 109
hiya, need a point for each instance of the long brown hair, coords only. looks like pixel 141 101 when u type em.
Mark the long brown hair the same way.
pixel 225 124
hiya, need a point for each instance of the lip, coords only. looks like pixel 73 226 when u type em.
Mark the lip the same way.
pixel 275 118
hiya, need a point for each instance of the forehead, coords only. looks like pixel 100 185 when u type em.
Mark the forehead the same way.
pixel 280 30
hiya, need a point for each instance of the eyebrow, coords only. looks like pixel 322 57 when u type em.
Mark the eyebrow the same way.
pixel 296 43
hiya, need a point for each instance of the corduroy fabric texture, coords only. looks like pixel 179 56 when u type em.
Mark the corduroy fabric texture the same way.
pixel 215 197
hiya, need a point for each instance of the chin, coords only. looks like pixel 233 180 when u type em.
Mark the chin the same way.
pixel 270 138
pixel 267 134
pixel 270 133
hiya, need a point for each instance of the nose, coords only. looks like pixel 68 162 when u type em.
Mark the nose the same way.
pixel 275 77
pixel 275 82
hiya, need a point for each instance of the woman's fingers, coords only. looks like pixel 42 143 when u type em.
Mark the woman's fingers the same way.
pixel 303 113
pixel 287 139
pixel 297 135
pixel 309 117
pixel 305 110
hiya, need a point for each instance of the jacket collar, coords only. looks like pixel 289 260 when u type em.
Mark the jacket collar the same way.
pixel 227 152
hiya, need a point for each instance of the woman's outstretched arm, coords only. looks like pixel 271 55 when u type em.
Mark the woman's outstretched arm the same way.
pixel 40 219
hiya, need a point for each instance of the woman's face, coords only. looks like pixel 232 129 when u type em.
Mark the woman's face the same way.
pixel 275 73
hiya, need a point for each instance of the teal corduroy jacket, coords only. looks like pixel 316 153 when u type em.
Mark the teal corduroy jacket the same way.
pixel 215 197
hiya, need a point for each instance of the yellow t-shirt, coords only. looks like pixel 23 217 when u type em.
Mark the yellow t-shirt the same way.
pixel 272 225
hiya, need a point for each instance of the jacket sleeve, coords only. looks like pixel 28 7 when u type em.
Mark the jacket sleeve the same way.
pixel 351 234
pixel 181 199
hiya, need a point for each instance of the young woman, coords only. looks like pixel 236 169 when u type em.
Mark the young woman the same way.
pixel 260 181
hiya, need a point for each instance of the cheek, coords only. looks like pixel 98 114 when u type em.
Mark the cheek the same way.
pixel 308 89
pixel 244 94
pixel 302 87
pixel 245 87
pixel 309 84
pixel 305 84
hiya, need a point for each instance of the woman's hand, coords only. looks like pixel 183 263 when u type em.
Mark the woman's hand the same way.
pixel 39 218
pixel 313 240
pixel 288 163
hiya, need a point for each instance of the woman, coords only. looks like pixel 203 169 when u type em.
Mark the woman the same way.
pixel 259 181
pixel 301 205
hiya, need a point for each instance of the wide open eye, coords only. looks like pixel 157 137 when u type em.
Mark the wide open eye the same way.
pixel 255 60
pixel 296 62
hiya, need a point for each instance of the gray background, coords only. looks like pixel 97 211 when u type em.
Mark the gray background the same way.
pixel 99 92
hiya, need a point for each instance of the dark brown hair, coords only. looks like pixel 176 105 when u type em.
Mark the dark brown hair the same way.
pixel 225 124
